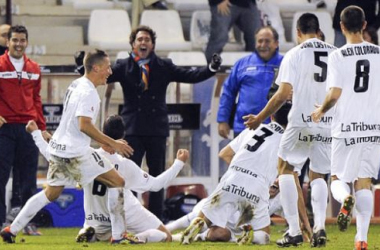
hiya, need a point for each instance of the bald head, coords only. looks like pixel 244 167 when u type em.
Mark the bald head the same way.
pixel 4 29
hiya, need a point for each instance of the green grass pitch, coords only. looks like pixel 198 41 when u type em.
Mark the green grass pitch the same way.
pixel 64 239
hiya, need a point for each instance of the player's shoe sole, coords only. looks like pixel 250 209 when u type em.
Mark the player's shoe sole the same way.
pixel 7 236
pixel 127 239
pixel 189 234
pixel 246 237
pixel 344 216
pixel 85 234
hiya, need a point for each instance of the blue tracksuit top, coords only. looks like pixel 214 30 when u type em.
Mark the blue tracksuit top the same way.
pixel 251 78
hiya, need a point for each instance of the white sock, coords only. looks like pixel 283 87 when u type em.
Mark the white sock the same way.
pixel 289 201
pixel 364 206
pixel 116 209
pixel 32 206
pixel 260 237
pixel 180 223
pixel 203 235
pixel 340 190
pixel 152 235
pixel 319 193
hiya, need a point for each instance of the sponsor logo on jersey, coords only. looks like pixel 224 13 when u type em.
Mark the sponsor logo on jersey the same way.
pixel 314 138
pixel 56 146
pixel 324 119
pixel 357 140
pixel 359 127
pixel 98 217
pixel 244 171
pixel 239 190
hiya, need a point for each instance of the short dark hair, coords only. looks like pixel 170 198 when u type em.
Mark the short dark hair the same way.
pixel 134 32
pixel 353 18
pixel 92 58
pixel 281 116
pixel 372 34
pixel 18 29
pixel 274 31
pixel 114 127
pixel 308 23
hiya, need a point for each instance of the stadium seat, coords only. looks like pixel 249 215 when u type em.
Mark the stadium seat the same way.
pixel 109 29
pixel 325 23
pixel 230 58
pixel 200 32
pixel 195 189
pixel 92 4
pixel 294 5
pixel 189 5
pixel 168 27
pixel 195 58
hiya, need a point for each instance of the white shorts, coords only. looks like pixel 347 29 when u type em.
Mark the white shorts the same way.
pixel 83 169
pixel 221 205
pixel 137 218
pixel 297 144
pixel 354 158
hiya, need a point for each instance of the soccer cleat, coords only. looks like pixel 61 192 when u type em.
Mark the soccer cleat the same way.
pixel 319 239
pixel 361 245
pixel 288 241
pixel 31 230
pixel 127 239
pixel 344 216
pixel 246 237
pixel 7 236
pixel 189 234
pixel 85 234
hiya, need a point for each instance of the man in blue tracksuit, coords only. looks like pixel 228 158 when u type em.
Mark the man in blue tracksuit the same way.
pixel 251 79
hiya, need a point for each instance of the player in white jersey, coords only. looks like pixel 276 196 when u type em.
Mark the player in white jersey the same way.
pixel 303 73
pixel 72 158
pixel 137 219
pixel 353 83
pixel 245 185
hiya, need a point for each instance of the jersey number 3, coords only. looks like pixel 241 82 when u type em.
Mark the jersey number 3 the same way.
pixel 260 139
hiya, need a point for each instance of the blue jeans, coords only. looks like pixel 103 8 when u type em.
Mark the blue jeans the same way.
pixel 247 20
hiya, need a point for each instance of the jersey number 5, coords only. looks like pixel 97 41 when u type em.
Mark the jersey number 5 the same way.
pixel 323 65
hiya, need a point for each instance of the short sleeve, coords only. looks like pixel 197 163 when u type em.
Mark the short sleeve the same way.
pixel 288 70
pixel 88 105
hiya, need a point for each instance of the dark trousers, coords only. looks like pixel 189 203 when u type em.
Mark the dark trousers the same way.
pixel 17 149
pixel 154 147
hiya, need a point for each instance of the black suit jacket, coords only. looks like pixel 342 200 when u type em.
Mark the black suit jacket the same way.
pixel 145 112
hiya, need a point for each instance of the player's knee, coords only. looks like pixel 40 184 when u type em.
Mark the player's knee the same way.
pixel 218 234
pixel 261 237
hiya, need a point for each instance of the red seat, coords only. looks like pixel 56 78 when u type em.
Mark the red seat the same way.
pixel 194 189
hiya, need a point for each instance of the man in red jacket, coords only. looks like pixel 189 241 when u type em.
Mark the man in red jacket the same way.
pixel 20 101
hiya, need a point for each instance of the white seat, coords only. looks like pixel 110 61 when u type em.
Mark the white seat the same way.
pixel 189 5
pixel 109 29
pixel 168 28
pixel 325 24
pixel 194 58
pixel 122 54
pixel 230 58
pixel 92 4
pixel 294 5
pixel 200 32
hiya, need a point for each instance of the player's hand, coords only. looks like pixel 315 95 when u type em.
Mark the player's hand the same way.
pixel 216 61
pixel 46 135
pixel 2 121
pixel 31 126
pixel 317 113
pixel 224 129
pixel 251 121
pixel 122 148
pixel 182 155
pixel 224 8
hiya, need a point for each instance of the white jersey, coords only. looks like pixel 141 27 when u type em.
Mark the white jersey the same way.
pixel 81 99
pixel 353 68
pixel 96 194
pixel 256 153
pixel 305 68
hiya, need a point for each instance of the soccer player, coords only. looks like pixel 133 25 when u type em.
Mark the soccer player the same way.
pixel 98 216
pixel 354 90
pixel 303 72
pixel 72 159
pixel 245 185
